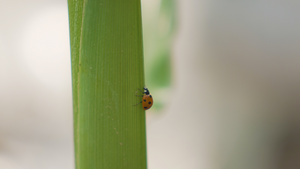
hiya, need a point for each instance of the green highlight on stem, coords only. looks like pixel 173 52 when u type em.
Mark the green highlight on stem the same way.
pixel 107 70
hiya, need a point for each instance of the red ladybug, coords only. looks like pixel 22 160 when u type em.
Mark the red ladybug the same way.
pixel 147 101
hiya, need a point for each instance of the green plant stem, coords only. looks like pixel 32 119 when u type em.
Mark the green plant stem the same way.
pixel 107 70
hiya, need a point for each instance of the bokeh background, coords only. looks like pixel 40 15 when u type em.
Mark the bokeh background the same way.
pixel 228 97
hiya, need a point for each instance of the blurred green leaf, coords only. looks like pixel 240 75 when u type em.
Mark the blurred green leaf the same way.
pixel 159 30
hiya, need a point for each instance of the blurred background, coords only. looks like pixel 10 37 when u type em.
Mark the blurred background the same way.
pixel 225 75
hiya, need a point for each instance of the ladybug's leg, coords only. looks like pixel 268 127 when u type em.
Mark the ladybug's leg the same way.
pixel 141 91
pixel 138 103
pixel 138 95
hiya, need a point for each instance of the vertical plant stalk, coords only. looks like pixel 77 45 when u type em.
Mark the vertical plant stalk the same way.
pixel 107 70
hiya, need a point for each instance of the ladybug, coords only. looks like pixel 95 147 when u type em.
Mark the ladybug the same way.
pixel 147 100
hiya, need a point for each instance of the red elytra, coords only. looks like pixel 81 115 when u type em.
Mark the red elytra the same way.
pixel 147 102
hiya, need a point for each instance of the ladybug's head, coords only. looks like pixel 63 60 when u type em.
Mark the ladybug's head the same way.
pixel 146 91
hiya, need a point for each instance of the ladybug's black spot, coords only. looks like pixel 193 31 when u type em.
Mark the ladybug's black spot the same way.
pixel 149 102
pixel 145 107
pixel 150 96
pixel 144 100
